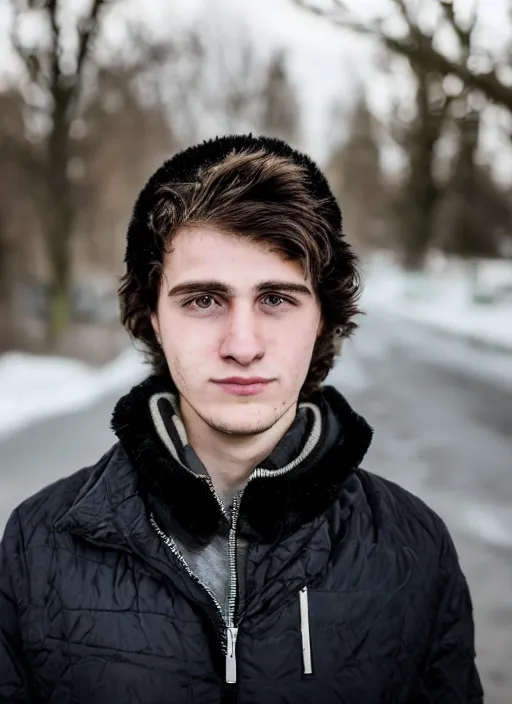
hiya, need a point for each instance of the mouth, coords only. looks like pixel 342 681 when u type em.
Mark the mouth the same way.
pixel 242 386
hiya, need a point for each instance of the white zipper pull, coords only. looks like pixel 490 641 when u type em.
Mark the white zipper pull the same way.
pixel 305 632
pixel 232 634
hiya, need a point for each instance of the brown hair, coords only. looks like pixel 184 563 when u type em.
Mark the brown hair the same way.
pixel 266 197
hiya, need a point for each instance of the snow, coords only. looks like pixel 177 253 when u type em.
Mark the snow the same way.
pixel 442 297
pixel 35 387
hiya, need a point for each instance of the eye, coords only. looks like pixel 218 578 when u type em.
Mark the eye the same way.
pixel 204 302
pixel 273 300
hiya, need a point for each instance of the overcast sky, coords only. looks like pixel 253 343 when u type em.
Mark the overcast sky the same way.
pixel 326 63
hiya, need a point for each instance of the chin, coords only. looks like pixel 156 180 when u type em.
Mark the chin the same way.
pixel 243 420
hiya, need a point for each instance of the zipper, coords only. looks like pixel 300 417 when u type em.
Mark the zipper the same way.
pixel 232 635
pixel 305 632
pixel 231 626
pixel 259 472
pixel 229 648
pixel 177 554
pixel 232 629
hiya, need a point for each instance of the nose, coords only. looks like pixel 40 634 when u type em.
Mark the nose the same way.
pixel 242 341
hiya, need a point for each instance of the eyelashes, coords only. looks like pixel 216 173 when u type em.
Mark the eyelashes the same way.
pixel 208 302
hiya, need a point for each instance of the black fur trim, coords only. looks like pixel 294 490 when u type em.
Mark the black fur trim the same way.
pixel 300 496
pixel 271 507
pixel 142 249
pixel 175 494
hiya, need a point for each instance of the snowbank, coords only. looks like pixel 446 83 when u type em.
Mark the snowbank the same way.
pixel 32 387
pixel 443 296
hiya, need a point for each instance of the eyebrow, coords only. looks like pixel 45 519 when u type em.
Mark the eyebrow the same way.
pixel 213 286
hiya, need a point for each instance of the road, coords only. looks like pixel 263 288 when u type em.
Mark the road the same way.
pixel 442 413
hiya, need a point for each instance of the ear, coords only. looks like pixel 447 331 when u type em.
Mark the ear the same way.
pixel 155 324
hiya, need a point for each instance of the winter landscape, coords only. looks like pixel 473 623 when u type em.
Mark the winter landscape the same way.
pixel 419 155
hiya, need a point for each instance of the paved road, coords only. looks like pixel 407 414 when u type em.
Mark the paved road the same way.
pixel 442 411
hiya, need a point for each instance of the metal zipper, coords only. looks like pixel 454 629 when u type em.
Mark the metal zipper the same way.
pixel 229 649
pixel 177 554
pixel 305 632
pixel 216 495
pixel 259 472
pixel 232 629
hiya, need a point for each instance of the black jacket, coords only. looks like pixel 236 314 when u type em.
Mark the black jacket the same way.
pixel 353 591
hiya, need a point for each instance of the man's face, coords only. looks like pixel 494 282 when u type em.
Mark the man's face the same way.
pixel 232 311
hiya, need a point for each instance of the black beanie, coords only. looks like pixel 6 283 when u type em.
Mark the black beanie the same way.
pixel 183 167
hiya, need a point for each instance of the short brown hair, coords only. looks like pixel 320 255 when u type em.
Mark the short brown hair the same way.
pixel 264 191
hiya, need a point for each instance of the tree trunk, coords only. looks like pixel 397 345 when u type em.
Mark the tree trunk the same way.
pixel 59 303
pixel 6 290
pixel 60 219
pixel 421 190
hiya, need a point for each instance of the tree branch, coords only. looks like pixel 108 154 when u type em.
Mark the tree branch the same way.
pixel 29 59
pixel 86 34
pixel 488 83
pixel 422 50
pixel 463 34
pixel 55 68
pixel 402 7
pixel 336 17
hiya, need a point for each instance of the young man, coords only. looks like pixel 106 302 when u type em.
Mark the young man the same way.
pixel 229 547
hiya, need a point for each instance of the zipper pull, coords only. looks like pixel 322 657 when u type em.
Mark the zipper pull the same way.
pixel 232 634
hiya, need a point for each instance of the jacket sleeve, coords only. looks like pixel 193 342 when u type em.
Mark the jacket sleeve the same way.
pixel 450 675
pixel 13 676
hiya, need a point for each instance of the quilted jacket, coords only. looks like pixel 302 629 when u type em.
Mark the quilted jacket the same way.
pixel 352 591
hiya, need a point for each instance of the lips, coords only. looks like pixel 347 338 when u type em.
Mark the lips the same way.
pixel 244 381
pixel 243 386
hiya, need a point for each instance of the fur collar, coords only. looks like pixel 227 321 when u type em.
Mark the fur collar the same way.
pixel 273 506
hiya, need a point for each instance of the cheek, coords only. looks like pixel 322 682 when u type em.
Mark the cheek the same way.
pixel 188 354
pixel 297 346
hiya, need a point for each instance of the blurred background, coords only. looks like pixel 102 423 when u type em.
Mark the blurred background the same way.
pixel 406 105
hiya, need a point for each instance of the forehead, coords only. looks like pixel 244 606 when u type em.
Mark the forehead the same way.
pixel 206 252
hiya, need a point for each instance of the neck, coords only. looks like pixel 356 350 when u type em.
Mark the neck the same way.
pixel 231 459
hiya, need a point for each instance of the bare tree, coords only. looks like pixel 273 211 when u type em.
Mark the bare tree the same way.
pixel 417 200
pixel 211 85
pixel 110 164
pixel 58 80
pixel 357 179
pixel 474 211
pixel 422 50
pixel 416 203
pixel 465 232
pixel 422 194
pixel 18 181
pixel 280 110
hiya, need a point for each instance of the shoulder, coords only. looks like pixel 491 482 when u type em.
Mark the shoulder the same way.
pixel 32 521
pixel 405 518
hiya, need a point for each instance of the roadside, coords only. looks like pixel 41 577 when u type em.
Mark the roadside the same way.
pixel 443 429
pixel 472 300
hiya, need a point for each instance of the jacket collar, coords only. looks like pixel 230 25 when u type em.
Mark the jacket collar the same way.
pixel 274 504
pixel 109 509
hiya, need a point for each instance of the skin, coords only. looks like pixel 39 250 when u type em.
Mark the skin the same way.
pixel 209 334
